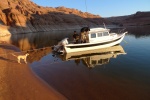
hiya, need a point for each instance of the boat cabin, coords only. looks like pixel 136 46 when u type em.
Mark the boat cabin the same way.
pixel 99 34
pixel 95 60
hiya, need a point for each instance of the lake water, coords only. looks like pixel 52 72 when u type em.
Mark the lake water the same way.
pixel 114 77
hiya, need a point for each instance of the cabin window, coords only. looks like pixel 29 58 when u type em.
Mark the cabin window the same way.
pixel 99 34
pixel 93 35
pixel 104 61
pixel 93 61
pixel 105 34
pixel 100 61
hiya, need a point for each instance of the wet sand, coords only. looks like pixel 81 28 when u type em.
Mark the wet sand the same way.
pixel 18 81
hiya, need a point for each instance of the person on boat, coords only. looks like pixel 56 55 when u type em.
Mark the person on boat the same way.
pixel 85 29
pixel 76 37
pixel 84 34
pixel 87 36
pixel 83 37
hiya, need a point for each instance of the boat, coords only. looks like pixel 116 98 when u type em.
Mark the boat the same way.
pixel 92 58
pixel 96 38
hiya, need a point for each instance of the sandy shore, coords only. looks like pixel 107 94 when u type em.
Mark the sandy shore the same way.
pixel 18 82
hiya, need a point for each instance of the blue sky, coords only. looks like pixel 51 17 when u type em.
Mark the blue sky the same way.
pixel 104 8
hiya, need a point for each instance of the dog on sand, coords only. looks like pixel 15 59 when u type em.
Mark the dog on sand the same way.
pixel 19 57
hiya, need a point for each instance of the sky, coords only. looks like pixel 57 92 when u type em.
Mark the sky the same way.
pixel 104 8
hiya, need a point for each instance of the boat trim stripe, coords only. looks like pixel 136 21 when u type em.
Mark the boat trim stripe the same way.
pixel 97 44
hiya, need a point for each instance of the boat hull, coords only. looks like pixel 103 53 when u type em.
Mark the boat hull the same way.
pixel 92 46
pixel 103 51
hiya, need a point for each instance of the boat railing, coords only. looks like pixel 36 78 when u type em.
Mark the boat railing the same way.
pixel 121 31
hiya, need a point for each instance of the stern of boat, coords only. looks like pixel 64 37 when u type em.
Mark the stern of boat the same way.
pixel 59 48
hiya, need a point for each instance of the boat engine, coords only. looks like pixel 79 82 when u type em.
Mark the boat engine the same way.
pixel 60 46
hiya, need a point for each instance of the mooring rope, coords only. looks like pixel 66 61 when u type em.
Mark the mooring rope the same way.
pixel 47 63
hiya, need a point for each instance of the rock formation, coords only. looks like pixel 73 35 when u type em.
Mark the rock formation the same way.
pixel 137 19
pixel 22 16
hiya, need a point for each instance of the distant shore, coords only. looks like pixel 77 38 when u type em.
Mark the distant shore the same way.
pixel 7 30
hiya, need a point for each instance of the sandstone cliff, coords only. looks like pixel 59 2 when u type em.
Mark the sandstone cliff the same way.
pixel 137 19
pixel 22 16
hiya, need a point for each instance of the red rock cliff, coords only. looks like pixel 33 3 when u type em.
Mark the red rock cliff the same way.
pixel 25 16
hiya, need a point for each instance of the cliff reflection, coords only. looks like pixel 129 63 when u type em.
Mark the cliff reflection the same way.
pixel 5 39
pixel 32 41
pixel 94 57
pixel 139 31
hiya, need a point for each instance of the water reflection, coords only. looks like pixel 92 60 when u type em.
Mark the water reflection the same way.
pixel 96 57
pixel 37 54
pixel 139 31
pixel 5 39
pixel 32 41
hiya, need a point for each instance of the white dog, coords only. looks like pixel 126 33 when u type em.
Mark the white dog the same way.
pixel 19 57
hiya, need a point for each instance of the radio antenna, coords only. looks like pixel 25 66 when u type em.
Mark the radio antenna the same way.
pixel 86 5
pixel 86 12
pixel 104 25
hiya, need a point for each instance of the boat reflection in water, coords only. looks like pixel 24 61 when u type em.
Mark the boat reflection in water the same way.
pixel 94 57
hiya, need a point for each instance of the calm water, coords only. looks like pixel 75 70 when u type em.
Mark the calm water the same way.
pixel 116 77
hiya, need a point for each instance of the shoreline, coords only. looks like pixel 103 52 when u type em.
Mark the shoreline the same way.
pixel 7 30
pixel 18 81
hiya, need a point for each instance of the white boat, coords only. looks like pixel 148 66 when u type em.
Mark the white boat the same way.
pixel 91 58
pixel 96 38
